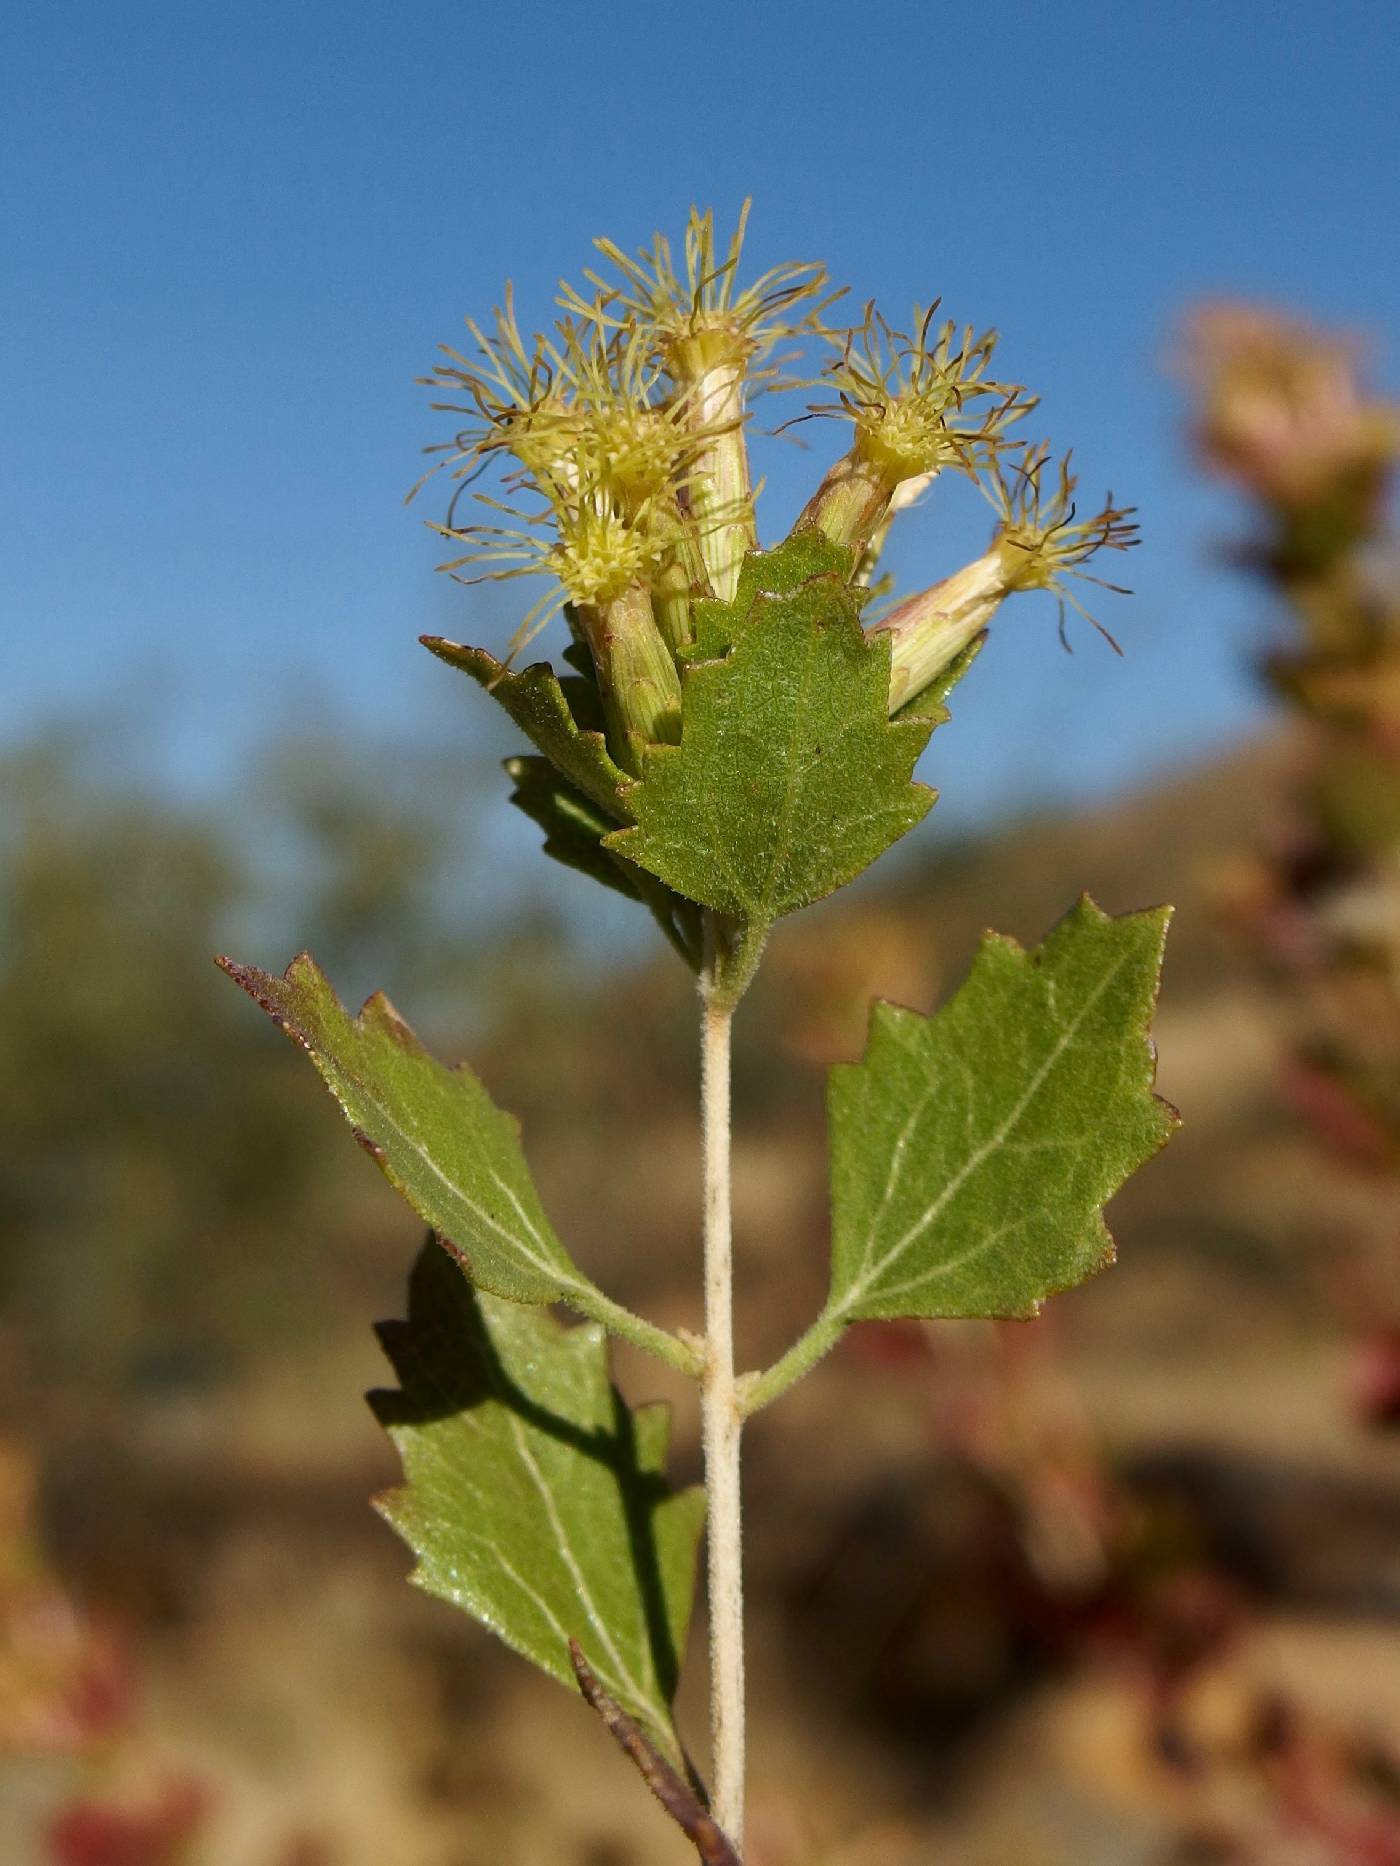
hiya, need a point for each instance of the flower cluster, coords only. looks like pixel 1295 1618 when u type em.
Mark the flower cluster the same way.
pixel 619 444
pixel 1282 408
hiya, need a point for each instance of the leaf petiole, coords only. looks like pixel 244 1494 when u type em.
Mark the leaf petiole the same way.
pixel 759 1389
pixel 739 947
pixel 686 1357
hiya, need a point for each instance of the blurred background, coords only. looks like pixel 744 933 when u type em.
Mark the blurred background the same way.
pixel 1118 1588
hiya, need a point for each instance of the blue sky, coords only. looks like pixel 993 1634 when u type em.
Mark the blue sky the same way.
pixel 234 235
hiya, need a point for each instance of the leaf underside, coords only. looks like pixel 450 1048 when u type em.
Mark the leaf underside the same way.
pixel 790 778
pixel 574 826
pixel 973 1151
pixel 537 702
pixel 534 1499
pixel 435 1133
pixel 573 792
pixel 806 554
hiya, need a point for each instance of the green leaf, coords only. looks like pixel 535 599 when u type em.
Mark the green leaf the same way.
pixel 435 1133
pixel 789 778
pixel 799 558
pixel 973 1151
pixel 534 1499
pixel 573 825
pixel 539 705
pixel 442 1142
pixel 574 829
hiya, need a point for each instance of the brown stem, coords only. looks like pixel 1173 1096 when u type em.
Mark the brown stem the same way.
pixel 675 1796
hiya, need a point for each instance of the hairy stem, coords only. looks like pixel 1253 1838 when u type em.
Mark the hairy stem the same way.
pixel 719 1408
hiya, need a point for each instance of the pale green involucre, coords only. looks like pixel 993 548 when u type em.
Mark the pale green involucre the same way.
pixel 533 1498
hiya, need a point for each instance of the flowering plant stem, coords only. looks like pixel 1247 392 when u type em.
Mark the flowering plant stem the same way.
pixel 721 1421
pixel 733 740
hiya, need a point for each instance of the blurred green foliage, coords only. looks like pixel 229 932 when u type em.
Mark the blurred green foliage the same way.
pixel 168 1180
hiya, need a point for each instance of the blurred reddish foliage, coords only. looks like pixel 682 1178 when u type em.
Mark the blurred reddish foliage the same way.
pixel 154 1829
pixel 1284 411
pixel 65 1679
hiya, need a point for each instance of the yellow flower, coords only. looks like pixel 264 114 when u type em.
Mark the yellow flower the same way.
pixel 587 422
pixel 699 319
pixel 707 333
pixel 918 403
pixel 905 394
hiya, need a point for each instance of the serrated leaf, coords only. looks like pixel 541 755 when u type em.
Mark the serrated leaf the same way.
pixel 434 1132
pixel 534 1499
pixel 789 778
pixel 973 1151
pixel 799 558
pixel 574 829
pixel 574 826
pixel 538 704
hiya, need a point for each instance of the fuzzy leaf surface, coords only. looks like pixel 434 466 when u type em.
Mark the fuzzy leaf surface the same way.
pixel 534 1499
pixel 538 704
pixel 790 778
pixel 806 554
pixel 973 1151
pixel 434 1132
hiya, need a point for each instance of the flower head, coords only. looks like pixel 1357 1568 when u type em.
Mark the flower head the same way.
pixel 628 426
pixel 700 318
pixel 1283 408
pixel 1038 545
pixel 1042 542
pixel 906 394
pixel 706 332
pixel 586 424
pixel 578 537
